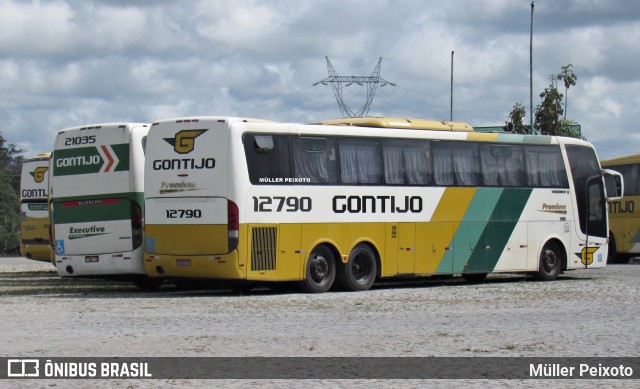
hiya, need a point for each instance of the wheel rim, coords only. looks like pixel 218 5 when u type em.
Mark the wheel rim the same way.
pixel 549 260
pixel 319 268
pixel 360 267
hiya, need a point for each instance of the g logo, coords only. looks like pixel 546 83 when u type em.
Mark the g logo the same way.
pixel 38 174
pixel 184 141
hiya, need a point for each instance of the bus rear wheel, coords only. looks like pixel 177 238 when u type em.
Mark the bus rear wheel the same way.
pixel 474 278
pixel 147 283
pixel 550 263
pixel 320 271
pixel 360 270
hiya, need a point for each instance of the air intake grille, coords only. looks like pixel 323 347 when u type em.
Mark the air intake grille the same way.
pixel 263 248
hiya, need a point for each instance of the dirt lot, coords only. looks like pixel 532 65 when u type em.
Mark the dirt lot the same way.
pixel 586 313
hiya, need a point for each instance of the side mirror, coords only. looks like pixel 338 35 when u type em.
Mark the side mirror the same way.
pixel 613 184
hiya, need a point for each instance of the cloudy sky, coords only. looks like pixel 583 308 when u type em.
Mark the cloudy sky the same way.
pixel 65 63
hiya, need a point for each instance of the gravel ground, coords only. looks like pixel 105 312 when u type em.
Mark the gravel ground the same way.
pixel 586 313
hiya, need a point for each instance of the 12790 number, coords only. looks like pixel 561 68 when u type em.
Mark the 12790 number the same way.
pixel 184 214
pixel 281 204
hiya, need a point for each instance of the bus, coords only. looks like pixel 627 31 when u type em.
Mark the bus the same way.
pixel 624 218
pixel 97 202
pixel 345 202
pixel 34 211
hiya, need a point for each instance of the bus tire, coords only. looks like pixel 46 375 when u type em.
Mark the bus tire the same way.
pixel 148 283
pixel 320 270
pixel 613 256
pixel 550 264
pixel 360 271
pixel 612 253
pixel 474 278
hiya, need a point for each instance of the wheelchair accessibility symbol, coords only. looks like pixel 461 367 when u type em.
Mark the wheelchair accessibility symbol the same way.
pixel 59 246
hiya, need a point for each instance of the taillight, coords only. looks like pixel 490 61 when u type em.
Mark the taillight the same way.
pixel 136 224
pixel 233 221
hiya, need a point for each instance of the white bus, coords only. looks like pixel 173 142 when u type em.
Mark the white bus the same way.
pixel 97 201
pixel 34 211
pixel 353 200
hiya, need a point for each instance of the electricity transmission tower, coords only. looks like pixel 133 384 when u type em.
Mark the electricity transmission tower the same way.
pixel 372 82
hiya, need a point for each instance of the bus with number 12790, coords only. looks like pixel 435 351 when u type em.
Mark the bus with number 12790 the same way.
pixel 349 201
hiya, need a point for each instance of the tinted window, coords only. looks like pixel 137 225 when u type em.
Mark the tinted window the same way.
pixel 268 158
pixel 314 158
pixel 360 161
pixel 630 177
pixel 406 162
pixel 545 167
pixel 502 165
pixel 456 164
pixel 584 167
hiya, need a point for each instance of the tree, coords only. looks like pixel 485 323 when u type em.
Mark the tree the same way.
pixel 569 78
pixel 548 113
pixel 516 120
pixel 10 163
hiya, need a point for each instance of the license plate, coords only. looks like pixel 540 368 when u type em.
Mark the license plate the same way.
pixel 183 262
pixel 91 259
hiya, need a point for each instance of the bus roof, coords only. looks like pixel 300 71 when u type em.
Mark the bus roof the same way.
pixel 394 122
pixel 195 119
pixel 626 160
pixel 39 157
pixel 103 125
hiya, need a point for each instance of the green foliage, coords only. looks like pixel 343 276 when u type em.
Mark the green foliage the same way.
pixel 516 119
pixel 549 112
pixel 548 115
pixel 10 163
pixel 569 79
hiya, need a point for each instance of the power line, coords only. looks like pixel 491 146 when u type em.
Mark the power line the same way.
pixel 372 82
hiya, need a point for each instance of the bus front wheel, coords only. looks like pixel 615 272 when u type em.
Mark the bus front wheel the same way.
pixel 550 262
pixel 360 270
pixel 320 271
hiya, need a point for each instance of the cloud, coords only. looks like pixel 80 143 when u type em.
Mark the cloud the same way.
pixel 73 62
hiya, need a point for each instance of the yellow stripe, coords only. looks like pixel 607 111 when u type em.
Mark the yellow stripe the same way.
pixel 189 239
pixel 482 137
pixel 453 205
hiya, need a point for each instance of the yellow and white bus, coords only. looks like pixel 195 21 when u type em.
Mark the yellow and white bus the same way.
pixel 97 201
pixel 624 218
pixel 353 200
pixel 34 211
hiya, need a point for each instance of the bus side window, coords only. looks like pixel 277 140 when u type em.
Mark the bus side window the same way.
pixel 407 162
pixel 268 158
pixel 630 176
pixel 502 165
pixel 314 160
pixel 545 167
pixel 456 164
pixel 360 161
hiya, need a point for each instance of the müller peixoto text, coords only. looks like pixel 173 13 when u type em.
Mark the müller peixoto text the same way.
pixel 581 370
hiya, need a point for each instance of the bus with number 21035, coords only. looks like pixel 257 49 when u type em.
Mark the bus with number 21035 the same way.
pixel 345 202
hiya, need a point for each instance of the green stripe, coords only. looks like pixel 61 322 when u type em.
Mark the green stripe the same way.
pixel 87 160
pixel 100 212
pixel 485 230
pixel 470 230
pixel 538 139
pixel 497 232
pixel 122 152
